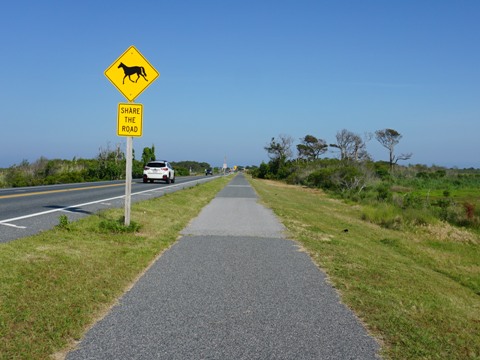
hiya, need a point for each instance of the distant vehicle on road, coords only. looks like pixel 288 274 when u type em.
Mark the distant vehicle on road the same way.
pixel 208 172
pixel 159 170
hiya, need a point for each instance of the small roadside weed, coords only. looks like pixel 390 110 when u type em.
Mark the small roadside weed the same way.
pixel 118 226
pixel 63 222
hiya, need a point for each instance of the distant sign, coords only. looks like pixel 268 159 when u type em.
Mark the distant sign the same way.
pixel 130 120
pixel 131 73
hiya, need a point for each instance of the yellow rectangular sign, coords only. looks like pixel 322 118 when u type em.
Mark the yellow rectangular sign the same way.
pixel 130 120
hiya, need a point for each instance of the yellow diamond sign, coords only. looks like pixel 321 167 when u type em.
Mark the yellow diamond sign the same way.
pixel 131 73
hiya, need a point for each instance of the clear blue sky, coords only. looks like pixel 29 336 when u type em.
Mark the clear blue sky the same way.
pixel 234 74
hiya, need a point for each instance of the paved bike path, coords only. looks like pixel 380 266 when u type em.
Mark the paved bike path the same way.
pixel 231 288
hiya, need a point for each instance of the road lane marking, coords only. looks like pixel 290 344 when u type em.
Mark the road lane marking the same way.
pixel 73 211
pixel 12 225
pixel 7 221
pixel 58 191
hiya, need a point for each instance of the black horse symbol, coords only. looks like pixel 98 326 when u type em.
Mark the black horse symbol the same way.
pixel 139 70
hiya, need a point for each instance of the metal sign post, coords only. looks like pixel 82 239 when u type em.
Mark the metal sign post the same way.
pixel 128 180
pixel 130 74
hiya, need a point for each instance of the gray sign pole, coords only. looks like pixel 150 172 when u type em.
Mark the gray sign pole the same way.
pixel 128 180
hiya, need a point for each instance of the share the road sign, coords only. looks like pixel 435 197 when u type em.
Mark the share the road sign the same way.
pixel 130 120
pixel 131 73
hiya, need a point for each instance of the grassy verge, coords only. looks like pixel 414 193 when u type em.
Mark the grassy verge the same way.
pixel 55 284
pixel 417 291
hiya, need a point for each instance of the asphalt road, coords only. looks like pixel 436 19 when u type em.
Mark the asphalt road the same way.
pixel 29 210
pixel 231 288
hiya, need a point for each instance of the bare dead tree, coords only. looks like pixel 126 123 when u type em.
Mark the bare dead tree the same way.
pixel 389 138
pixel 352 146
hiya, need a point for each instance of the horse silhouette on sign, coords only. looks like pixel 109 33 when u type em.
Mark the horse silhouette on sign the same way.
pixel 139 70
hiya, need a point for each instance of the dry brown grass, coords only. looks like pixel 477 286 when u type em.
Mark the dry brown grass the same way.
pixel 445 232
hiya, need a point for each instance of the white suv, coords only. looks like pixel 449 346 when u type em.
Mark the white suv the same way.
pixel 159 170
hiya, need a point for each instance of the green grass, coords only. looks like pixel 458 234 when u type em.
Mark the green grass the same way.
pixel 417 290
pixel 55 284
pixel 462 195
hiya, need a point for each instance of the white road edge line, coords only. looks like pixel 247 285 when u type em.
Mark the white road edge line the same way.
pixel 6 221
pixel 12 225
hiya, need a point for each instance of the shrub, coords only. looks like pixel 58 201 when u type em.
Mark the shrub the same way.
pixel 180 171
pixel 349 177
pixel 322 178
pixel 294 179
pixel 469 210
pixel 382 169
pixel 413 200
pixel 450 213
pixel 261 172
pixel 383 191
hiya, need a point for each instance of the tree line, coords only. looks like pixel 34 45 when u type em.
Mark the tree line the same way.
pixel 350 145
pixel 351 148
pixel 109 164
pixel 400 195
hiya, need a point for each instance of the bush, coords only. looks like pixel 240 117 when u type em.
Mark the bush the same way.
pixel 382 170
pixel 262 171
pixel 181 171
pixel 469 210
pixel 383 192
pixel 322 178
pixel 413 200
pixel 294 178
pixel 137 169
pixel 461 215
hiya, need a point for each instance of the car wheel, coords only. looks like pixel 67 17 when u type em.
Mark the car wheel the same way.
pixel 145 180
pixel 168 181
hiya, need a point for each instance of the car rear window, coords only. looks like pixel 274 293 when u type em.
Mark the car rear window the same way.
pixel 156 165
